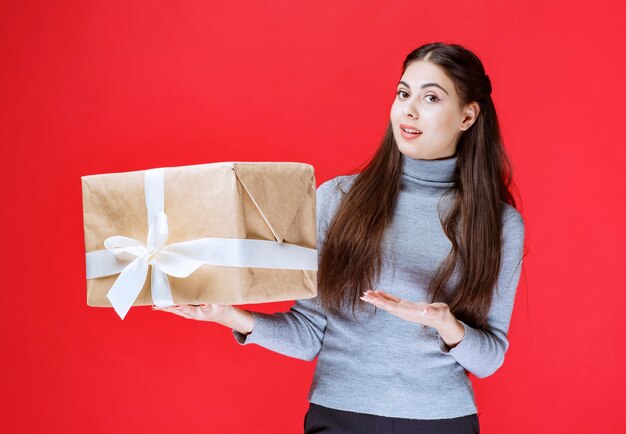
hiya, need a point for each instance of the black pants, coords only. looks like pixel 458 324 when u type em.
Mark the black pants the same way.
pixel 319 419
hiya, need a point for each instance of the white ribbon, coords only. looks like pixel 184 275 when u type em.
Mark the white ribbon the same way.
pixel 131 258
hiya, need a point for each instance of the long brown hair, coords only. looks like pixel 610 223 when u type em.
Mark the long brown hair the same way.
pixel 351 257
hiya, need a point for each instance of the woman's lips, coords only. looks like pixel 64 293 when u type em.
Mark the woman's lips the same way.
pixel 409 136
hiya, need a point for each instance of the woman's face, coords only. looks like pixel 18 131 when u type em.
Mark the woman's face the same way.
pixel 426 101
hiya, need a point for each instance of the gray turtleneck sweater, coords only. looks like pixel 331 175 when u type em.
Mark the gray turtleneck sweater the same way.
pixel 381 364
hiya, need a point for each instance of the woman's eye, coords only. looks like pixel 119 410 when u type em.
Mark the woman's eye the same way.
pixel 400 92
pixel 433 96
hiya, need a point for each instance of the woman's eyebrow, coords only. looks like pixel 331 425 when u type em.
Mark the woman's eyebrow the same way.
pixel 424 85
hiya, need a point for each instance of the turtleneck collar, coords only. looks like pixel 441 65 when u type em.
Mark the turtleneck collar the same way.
pixel 431 173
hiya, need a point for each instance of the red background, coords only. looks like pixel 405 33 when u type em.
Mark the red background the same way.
pixel 96 87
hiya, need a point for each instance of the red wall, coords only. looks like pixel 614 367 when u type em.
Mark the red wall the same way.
pixel 95 87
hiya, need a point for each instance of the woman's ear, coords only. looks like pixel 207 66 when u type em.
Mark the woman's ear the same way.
pixel 470 114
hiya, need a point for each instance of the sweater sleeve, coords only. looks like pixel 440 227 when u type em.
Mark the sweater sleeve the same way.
pixel 298 332
pixel 482 352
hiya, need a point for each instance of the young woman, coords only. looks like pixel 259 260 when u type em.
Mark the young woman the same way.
pixel 419 258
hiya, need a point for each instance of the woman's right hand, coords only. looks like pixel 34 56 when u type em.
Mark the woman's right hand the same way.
pixel 224 314
pixel 203 312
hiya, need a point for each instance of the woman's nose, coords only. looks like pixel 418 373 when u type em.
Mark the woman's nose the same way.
pixel 409 111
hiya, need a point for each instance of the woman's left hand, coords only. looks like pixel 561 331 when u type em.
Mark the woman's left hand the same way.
pixel 435 315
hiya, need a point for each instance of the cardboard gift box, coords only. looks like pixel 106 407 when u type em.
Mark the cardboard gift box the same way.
pixel 227 233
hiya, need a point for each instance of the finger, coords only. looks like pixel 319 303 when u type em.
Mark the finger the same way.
pixel 379 294
pixel 175 310
pixel 379 302
pixel 171 309
pixel 191 311
pixel 388 296
pixel 372 302
pixel 209 309
pixel 381 298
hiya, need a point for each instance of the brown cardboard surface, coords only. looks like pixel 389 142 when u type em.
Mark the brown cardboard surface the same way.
pixel 249 200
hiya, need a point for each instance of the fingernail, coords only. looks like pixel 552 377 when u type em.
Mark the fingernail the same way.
pixel 154 308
